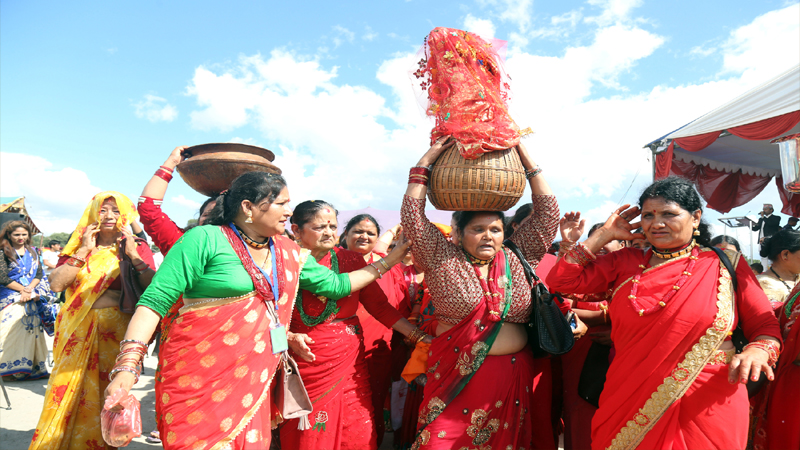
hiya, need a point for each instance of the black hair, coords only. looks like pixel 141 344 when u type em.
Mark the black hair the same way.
pixel 594 228
pixel 53 242
pixel 522 213
pixel 465 217
pixel 355 221
pixel 727 239
pixel 757 266
pixel 681 192
pixel 308 209
pixel 253 186
pixel 205 205
pixel 778 242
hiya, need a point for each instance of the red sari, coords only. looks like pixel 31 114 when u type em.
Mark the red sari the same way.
pixel 778 428
pixel 217 368
pixel 465 403
pixel 338 380
pixel 378 345
pixel 667 387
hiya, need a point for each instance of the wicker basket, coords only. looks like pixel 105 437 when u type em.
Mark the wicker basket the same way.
pixel 493 182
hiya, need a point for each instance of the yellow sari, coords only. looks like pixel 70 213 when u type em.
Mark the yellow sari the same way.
pixel 86 344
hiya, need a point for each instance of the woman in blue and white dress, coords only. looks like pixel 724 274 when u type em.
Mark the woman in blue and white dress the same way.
pixel 23 291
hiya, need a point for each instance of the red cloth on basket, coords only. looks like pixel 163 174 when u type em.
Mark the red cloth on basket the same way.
pixel 467 91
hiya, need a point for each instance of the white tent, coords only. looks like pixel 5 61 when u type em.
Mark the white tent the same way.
pixel 728 148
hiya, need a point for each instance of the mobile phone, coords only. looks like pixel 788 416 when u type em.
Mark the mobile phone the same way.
pixel 573 323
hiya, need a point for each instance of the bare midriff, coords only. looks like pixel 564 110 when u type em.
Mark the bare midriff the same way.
pixel 511 339
pixel 109 299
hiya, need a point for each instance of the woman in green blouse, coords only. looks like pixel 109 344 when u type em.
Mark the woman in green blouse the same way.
pixel 239 277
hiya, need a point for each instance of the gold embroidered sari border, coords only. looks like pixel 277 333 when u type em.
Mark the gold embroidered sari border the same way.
pixel 198 304
pixel 682 377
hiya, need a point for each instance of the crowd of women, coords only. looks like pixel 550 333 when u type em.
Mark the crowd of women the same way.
pixel 677 345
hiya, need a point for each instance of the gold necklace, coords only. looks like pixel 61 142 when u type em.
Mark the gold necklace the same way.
pixel 478 261
pixel 671 255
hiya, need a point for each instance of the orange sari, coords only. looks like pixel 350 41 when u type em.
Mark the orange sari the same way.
pixel 214 386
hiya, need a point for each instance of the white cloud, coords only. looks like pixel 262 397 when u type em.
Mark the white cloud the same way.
pixel 342 35
pixel 613 11
pixel 155 109
pixel 351 146
pixel 482 27
pixel 517 12
pixel 369 34
pixel 702 51
pixel 189 203
pixel 52 207
pixel 768 45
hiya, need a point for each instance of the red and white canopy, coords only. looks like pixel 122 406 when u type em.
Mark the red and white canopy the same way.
pixel 726 153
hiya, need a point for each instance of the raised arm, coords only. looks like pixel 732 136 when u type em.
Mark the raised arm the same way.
pixel 320 280
pixel 158 226
pixel 537 232
pixel 429 244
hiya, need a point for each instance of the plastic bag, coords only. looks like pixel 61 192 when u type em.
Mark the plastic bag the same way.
pixel 119 428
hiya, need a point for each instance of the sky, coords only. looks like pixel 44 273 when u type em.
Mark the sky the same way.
pixel 95 95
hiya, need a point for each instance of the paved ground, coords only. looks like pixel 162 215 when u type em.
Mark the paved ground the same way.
pixel 27 397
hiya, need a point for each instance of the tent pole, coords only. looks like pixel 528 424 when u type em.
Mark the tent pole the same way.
pixel 653 163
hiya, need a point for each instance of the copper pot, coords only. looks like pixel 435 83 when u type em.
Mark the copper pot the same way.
pixel 211 168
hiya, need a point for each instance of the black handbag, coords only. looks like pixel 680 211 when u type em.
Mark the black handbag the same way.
pixel 549 332
pixel 593 373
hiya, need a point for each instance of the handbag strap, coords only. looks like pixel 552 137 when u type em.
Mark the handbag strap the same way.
pixel 728 265
pixel 530 274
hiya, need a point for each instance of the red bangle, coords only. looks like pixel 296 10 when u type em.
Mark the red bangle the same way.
pixel 421 181
pixel 419 171
pixel 75 262
pixel 167 169
pixel 164 175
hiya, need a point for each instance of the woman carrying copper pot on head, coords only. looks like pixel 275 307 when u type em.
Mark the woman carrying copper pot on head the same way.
pixel 238 276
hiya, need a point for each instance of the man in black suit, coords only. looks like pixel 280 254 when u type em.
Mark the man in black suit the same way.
pixel 767 225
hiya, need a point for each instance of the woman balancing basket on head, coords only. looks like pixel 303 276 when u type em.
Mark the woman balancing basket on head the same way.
pixel 467 91
pixel 479 372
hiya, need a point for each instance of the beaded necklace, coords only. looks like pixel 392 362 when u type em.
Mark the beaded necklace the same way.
pixel 250 241
pixel 496 280
pixel 331 308
pixel 675 254
pixel 780 279
pixel 675 288
pixel 478 261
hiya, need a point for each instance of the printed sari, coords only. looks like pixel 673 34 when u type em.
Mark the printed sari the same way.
pixel 86 343
pixel 23 350
pixel 472 399
pixel 214 386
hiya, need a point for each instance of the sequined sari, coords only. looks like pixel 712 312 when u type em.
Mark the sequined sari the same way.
pixel 213 390
pixel 472 399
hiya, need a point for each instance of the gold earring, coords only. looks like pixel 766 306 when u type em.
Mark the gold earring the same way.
pixel 696 232
pixel 249 218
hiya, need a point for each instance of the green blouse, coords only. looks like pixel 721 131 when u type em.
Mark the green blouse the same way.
pixel 202 264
